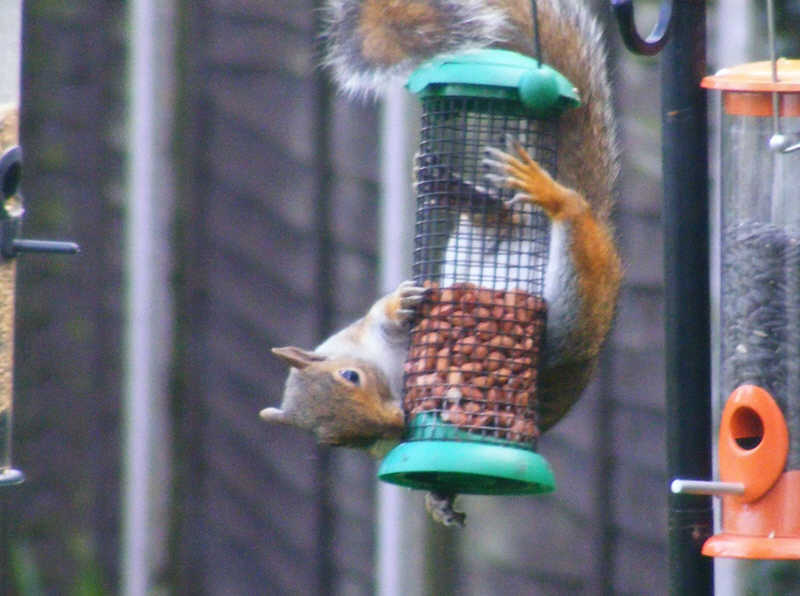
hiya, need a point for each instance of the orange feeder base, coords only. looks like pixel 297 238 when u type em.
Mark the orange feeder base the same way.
pixel 768 528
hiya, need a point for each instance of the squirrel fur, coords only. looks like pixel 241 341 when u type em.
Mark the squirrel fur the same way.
pixel 369 41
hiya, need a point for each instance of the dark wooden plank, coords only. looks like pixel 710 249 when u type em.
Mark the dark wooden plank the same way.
pixel 293 14
pixel 259 45
pixel 644 266
pixel 638 325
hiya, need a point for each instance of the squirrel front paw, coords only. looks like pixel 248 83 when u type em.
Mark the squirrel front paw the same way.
pixel 402 303
pixel 514 168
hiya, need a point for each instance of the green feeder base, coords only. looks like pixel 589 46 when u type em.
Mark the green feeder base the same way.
pixel 467 468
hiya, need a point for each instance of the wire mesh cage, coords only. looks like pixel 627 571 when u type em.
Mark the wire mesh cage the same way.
pixel 472 366
pixel 474 353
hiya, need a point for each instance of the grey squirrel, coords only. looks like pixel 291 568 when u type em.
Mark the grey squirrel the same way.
pixel 348 390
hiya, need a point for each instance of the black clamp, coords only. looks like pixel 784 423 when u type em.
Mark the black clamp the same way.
pixel 11 213
pixel 623 10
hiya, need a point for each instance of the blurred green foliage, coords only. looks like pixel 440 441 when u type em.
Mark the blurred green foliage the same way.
pixel 26 575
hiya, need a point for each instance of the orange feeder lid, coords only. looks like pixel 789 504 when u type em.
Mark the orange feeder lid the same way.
pixel 747 88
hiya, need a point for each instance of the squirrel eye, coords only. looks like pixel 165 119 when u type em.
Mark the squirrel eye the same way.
pixel 350 375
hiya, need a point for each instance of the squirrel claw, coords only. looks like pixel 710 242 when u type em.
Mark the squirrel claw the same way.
pixel 495 156
pixel 496 166
pixel 410 296
pixel 405 313
pixel 520 197
pixel 495 179
pixel 499 165
pixel 413 295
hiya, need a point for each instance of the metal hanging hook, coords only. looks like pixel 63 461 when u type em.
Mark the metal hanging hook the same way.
pixel 650 46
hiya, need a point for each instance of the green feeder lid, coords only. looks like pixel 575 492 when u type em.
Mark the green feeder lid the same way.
pixel 495 73
pixel 468 466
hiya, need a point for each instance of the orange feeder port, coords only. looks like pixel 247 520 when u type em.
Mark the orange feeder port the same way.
pixel 764 521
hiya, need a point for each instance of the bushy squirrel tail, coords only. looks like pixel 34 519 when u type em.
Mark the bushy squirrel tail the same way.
pixel 572 43
pixel 369 41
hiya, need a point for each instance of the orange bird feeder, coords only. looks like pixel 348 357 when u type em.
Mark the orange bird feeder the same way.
pixel 759 313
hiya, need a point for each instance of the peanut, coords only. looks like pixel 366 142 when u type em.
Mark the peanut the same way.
pixel 472 407
pixel 501 341
pixel 495 395
pixel 480 352
pixel 472 392
pixel 471 367
pixel 486 330
pixel 494 360
pixel 466 345
pixel 482 312
pixel 460 318
pixel 442 360
pixel 455 416
pixel 505 419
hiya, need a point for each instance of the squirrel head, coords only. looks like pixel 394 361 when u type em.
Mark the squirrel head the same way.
pixel 342 400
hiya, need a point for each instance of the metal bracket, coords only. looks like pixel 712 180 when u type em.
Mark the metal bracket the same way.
pixel 650 46
pixel 12 211
pixel 681 486
pixel 780 143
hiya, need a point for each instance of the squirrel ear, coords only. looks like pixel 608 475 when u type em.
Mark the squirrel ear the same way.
pixel 297 357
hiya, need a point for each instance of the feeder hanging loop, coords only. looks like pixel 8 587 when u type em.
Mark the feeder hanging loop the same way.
pixel 623 10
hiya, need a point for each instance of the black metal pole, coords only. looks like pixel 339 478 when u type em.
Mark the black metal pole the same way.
pixel 687 319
